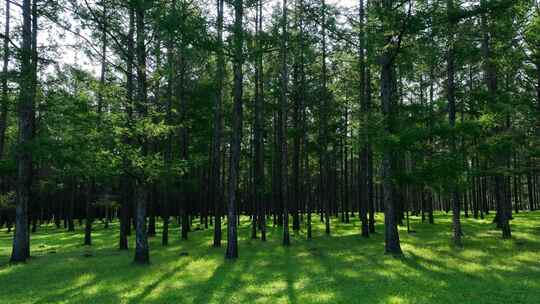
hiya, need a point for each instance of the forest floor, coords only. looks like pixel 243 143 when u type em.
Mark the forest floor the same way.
pixel 341 268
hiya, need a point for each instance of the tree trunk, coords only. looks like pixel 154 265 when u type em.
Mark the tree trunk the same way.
pixel 369 169
pixel 127 182
pixel 236 137
pixel 364 151
pixel 491 83
pixel 282 120
pixel 141 238
pixel 216 135
pixel 5 97
pixel 456 221
pixel 21 244
pixel 392 243
pixel 185 194
pixel 88 198
pixel 141 241
pixel 324 163
pixel 259 181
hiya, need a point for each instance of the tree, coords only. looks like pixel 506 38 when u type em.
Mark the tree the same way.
pixel 217 129
pixel 21 238
pixel 364 152
pixel 450 91
pixel 388 100
pixel 236 137
pixel 5 96
pixel 259 179
pixel 141 241
pixel 282 122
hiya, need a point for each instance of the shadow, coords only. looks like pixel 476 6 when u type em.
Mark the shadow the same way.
pixel 290 277
pixel 340 268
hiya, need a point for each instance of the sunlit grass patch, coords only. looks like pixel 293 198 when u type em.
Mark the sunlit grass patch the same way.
pixel 340 268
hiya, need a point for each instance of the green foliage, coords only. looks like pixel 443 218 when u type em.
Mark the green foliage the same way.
pixel 7 201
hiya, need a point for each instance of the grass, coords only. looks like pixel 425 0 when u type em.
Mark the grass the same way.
pixel 341 268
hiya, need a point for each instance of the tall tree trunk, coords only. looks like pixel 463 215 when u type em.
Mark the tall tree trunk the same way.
pixel 141 243
pixel 127 182
pixel 392 243
pixel 324 163
pixel 258 138
pixel 282 118
pixel 450 90
pixel 186 194
pixel 364 150
pixel 236 137
pixel 168 145
pixel 4 107
pixel 430 194
pixel 215 183
pixel 491 83
pixel 21 244
pixel 369 169
pixel 297 137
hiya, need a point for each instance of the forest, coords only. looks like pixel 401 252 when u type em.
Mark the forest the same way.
pixel 272 151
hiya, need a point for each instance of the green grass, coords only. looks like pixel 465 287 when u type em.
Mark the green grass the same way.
pixel 341 268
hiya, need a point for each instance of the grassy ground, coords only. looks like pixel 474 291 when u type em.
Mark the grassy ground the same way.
pixel 341 268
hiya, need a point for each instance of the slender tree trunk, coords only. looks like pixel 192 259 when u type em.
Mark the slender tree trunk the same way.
pixel 71 207
pixel 491 83
pixel 282 118
pixel 364 151
pixel 141 243
pixel 295 164
pixel 369 169
pixel 168 145
pixel 185 199
pixel 215 175
pixel 5 97
pixel 236 137
pixel 88 198
pixel 392 243
pixel 456 221
pixel 21 244
pixel 431 218
pixel 141 238
pixel 259 181
pixel 127 182
pixel 124 213
pixel 324 163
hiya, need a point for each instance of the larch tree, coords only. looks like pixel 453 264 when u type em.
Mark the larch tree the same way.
pixel 236 136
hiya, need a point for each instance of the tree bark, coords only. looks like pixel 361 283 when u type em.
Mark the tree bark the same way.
pixel 141 238
pixel 4 107
pixel 127 182
pixel 324 165
pixel 392 243
pixel 491 83
pixel 282 118
pixel 215 175
pixel 141 242
pixel 21 244
pixel 236 137
pixel 456 221
pixel 364 150
pixel 259 181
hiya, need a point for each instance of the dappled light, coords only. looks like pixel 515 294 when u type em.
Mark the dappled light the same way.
pixel 342 268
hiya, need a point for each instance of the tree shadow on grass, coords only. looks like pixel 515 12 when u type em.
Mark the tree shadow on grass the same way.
pixel 290 277
pixel 227 276
pixel 140 298
pixel 74 291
